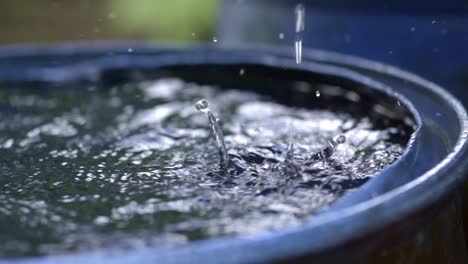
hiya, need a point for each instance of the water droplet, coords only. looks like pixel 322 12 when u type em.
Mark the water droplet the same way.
pixel 413 29
pixel 130 50
pixel 398 102
pixel 433 22
pixel 193 34
pixel 202 105
pixel 215 40
pixel 281 35
pixel 317 93
pixel 340 139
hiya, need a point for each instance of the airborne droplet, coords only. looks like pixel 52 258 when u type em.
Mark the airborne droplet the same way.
pixel 202 105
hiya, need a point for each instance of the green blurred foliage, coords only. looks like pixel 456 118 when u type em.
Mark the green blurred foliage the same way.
pixel 171 20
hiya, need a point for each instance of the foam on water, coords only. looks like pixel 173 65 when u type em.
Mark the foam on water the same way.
pixel 135 165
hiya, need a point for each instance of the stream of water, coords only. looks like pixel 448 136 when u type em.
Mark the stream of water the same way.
pixel 299 14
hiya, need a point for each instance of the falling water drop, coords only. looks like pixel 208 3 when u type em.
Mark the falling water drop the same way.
pixel 281 35
pixel 317 93
pixel 203 106
pixel 215 40
pixel 300 19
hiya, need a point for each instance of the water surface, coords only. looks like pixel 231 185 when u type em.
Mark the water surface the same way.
pixel 135 165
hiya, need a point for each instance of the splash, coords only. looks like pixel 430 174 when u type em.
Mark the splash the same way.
pixel 328 151
pixel 216 131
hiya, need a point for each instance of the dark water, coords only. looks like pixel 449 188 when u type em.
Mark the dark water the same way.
pixel 135 165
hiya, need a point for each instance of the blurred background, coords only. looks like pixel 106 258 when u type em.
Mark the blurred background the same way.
pixel 176 21
pixel 428 37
